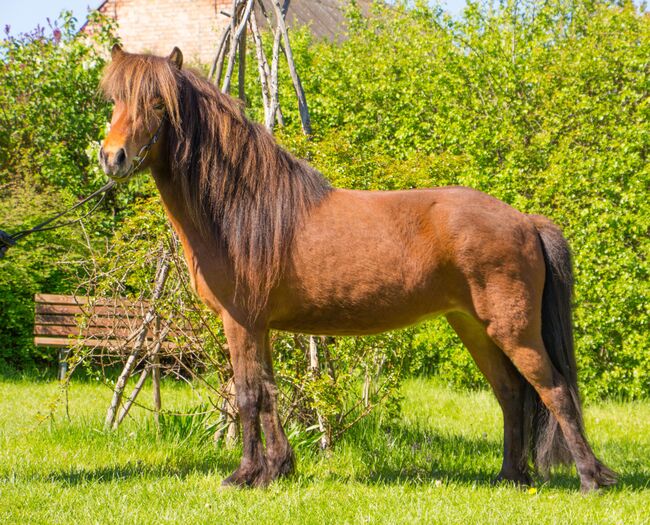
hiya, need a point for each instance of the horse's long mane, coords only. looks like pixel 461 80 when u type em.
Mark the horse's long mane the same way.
pixel 236 182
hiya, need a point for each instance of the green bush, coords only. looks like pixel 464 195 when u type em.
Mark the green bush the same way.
pixel 43 263
pixel 50 122
pixel 52 111
pixel 543 105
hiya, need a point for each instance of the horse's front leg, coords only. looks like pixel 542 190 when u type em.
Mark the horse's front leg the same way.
pixel 246 353
pixel 279 455
pixel 256 400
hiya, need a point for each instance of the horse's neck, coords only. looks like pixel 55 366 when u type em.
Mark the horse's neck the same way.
pixel 170 193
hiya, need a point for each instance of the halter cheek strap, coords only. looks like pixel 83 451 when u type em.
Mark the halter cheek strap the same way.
pixel 144 151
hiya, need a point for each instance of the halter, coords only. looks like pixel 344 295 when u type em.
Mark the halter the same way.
pixel 7 240
pixel 144 151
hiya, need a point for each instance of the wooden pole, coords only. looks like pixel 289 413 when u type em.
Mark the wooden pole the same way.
pixel 300 92
pixel 155 372
pixel 152 367
pixel 275 88
pixel 315 371
pixel 229 424
pixel 131 398
pixel 263 70
pixel 232 45
pixel 275 109
pixel 241 73
pixel 155 377
pixel 222 50
pixel 141 335
pixel 236 33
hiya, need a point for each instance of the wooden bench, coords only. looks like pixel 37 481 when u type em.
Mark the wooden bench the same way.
pixel 62 321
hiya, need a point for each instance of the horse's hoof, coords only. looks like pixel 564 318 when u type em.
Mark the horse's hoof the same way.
pixel 601 477
pixel 242 478
pixel 519 479
pixel 589 487
pixel 283 466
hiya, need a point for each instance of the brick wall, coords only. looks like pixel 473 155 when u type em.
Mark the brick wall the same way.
pixel 156 26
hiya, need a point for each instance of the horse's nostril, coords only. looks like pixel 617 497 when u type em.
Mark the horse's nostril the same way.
pixel 102 154
pixel 120 157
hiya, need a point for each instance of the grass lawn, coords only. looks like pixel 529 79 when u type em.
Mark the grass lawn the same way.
pixel 433 466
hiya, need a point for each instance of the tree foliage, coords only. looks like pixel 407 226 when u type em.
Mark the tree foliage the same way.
pixel 541 104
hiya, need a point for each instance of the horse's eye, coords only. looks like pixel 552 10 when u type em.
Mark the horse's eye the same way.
pixel 159 106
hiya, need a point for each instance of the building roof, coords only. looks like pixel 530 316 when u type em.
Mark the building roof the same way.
pixel 326 18
pixel 156 26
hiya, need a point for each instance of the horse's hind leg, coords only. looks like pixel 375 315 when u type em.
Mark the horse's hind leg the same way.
pixel 509 388
pixel 516 330
pixel 529 355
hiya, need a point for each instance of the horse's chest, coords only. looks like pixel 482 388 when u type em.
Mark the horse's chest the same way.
pixel 203 267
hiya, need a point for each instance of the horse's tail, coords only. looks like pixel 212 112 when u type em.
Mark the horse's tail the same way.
pixel 545 439
pixel 542 431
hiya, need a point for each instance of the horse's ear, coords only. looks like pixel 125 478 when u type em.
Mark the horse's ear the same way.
pixel 176 57
pixel 116 51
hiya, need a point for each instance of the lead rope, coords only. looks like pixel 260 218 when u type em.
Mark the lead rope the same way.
pixel 7 240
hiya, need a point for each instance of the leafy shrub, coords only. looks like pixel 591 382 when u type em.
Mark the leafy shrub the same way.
pixel 52 111
pixel 50 122
pixel 39 264
pixel 543 105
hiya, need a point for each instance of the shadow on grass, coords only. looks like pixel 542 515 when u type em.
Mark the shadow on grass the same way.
pixel 182 468
pixel 395 455
pixel 419 457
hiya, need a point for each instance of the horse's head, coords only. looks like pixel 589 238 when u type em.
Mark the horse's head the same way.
pixel 144 91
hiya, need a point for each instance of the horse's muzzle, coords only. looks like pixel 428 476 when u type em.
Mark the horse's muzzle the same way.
pixel 115 165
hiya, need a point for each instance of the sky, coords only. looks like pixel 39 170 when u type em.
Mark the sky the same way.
pixel 25 15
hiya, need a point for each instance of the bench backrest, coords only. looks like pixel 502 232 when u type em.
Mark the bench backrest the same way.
pixel 59 318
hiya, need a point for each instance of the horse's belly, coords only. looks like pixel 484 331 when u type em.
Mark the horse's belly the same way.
pixel 349 321
pixel 336 308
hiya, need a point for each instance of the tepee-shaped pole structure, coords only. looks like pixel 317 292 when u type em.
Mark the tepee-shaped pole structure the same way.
pixel 232 44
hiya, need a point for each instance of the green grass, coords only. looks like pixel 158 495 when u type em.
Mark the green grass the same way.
pixel 434 465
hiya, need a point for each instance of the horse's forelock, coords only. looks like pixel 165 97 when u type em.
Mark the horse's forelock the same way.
pixel 138 80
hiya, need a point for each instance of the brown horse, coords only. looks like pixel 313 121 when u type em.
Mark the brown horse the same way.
pixel 269 244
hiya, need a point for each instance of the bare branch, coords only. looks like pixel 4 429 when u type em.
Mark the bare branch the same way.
pixel 161 278
pixel 300 93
